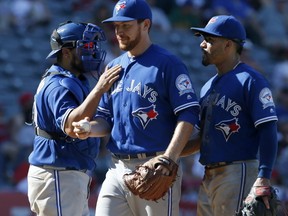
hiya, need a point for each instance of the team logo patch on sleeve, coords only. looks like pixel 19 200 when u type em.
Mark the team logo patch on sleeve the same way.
pixel 183 84
pixel 146 114
pixel 266 98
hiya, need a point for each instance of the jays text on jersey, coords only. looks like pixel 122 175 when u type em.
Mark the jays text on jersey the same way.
pixel 233 105
pixel 153 87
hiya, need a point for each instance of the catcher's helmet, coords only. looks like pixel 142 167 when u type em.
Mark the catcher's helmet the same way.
pixel 85 37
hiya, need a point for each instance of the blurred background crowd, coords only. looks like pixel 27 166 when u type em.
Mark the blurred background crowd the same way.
pixel 25 28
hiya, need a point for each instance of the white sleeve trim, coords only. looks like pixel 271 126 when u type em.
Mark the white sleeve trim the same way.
pixel 267 119
pixel 65 118
pixel 105 111
pixel 185 106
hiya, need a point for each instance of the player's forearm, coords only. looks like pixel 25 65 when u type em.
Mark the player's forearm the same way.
pixel 192 147
pixel 180 138
pixel 89 106
pixel 99 128
pixel 86 109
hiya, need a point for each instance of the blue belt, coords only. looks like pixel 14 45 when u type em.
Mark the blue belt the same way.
pixel 136 156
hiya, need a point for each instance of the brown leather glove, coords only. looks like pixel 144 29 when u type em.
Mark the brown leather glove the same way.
pixel 149 183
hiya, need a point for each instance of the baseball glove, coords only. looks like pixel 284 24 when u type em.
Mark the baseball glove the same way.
pixel 149 183
pixel 254 205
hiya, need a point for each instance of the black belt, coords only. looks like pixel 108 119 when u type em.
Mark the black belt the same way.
pixel 62 168
pixel 216 165
pixel 54 136
pixel 136 156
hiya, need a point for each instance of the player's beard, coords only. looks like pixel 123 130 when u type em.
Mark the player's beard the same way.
pixel 205 59
pixel 77 64
pixel 131 44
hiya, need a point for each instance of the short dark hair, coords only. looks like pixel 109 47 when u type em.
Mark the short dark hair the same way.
pixel 142 20
pixel 239 48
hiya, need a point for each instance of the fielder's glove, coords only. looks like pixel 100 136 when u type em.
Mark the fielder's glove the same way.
pixel 254 205
pixel 149 183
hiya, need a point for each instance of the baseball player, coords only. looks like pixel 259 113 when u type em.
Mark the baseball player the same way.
pixel 238 122
pixel 57 179
pixel 151 110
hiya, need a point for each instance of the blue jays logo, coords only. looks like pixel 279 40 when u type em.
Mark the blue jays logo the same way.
pixel 120 5
pixel 184 84
pixel 228 127
pixel 146 114
pixel 212 20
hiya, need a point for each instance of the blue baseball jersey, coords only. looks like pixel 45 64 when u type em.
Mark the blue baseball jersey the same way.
pixel 154 91
pixel 233 105
pixel 57 95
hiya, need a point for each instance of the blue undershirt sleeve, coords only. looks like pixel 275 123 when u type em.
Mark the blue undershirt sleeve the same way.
pixel 268 148
pixel 190 115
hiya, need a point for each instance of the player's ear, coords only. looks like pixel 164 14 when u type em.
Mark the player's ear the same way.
pixel 66 52
pixel 230 43
pixel 227 44
pixel 147 24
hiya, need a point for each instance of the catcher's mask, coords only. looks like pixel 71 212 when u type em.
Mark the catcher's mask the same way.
pixel 86 38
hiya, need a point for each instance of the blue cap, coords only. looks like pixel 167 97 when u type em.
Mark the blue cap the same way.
pixel 129 10
pixel 224 26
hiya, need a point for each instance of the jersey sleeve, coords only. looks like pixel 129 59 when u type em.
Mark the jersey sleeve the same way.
pixel 60 102
pixel 63 95
pixel 181 91
pixel 261 101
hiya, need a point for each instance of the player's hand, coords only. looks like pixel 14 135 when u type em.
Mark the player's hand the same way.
pixel 108 77
pixel 164 170
pixel 263 182
pixel 79 130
